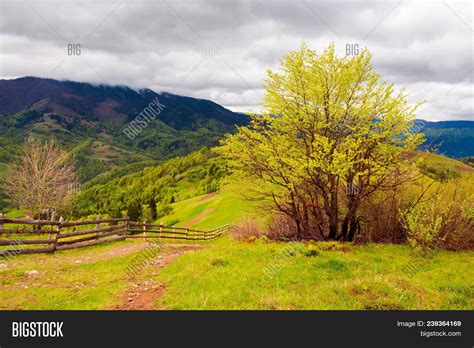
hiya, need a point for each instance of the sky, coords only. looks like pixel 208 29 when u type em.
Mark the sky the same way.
pixel 221 50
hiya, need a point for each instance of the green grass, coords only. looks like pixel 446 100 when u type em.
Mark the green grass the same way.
pixel 223 208
pixel 15 214
pixel 231 275
pixel 433 163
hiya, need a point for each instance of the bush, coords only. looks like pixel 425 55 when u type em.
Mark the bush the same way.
pixel 423 224
pixel 247 229
pixel 171 222
pixel 446 220
pixel 310 250
pixel 281 227
pixel 147 213
pixel 382 211
pixel 163 210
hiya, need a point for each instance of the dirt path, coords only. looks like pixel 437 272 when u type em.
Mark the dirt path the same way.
pixel 207 197
pixel 143 293
pixel 198 218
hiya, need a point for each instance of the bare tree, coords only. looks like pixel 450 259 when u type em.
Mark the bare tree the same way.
pixel 41 177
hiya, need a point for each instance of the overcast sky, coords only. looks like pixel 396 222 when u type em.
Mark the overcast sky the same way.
pixel 220 50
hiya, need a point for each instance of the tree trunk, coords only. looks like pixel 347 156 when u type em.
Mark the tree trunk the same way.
pixel 352 221
pixel 333 211
pixel 345 226
pixel 352 229
pixel 332 229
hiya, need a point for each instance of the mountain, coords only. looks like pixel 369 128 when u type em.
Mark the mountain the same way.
pixel 92 121
pixel 449 138
pixel 111 103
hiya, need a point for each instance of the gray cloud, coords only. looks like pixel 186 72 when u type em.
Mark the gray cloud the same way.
pixel 220 50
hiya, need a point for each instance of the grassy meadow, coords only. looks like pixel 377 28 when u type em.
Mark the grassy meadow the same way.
pixel 234 275
pixel 209 211
pixel 231 275
pixel 255 274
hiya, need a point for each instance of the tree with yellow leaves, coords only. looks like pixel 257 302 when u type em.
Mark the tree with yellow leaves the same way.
pixel 333 134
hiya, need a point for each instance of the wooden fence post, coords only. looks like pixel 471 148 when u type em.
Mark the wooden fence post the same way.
pixel 58 232
pixel 187 232
pixel 144 229
pixel 51 228
pixel 97 225
pixel 127 227
pixel 1 223
pixel 161 229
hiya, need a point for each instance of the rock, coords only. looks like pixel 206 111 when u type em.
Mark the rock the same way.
pixel 130 299
pixel 33 272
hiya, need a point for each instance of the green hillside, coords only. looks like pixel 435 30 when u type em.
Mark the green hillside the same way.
pixel 95 122
pixel 189 191
pixel 209 211
pixel 147 193
pixel 443 168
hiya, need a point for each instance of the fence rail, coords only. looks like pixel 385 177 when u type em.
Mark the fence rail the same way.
pixel 64 235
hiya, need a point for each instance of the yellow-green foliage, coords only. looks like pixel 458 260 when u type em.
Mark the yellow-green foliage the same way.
pixel 147 193
pixel 331 123
pixel 445 218
pixel 423 223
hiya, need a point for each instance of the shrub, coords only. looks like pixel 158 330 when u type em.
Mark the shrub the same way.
pixel 147 213
pixel 247 229
pixel 423 224
pixel 163 210
pixel 281 227
pixel 382 212
pixel 310 251
pixel 446 220
pixel 423 213
pixel 171 222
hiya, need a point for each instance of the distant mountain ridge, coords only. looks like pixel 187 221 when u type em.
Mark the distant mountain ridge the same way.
pixel 449 138
pixel 448 124
pixel 116 103
pixel 90 120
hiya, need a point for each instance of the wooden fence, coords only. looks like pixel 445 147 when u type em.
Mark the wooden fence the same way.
pixel 24 236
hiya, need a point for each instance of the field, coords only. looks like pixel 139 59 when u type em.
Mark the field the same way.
pixel 231 275
pixel 227 274
pixel 208 211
